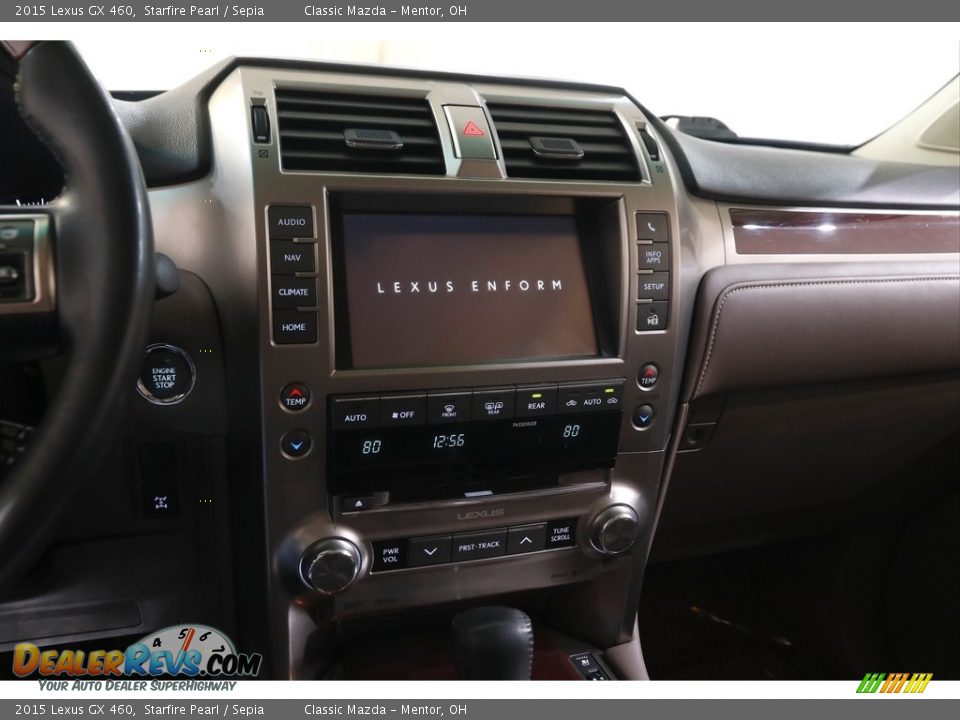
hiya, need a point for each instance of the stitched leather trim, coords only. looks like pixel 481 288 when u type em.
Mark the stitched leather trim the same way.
pixel 734 289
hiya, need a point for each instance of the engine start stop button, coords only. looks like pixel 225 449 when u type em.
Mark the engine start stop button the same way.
pixel 167 375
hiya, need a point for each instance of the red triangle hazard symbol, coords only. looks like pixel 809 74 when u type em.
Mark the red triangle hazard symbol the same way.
pixel 472 130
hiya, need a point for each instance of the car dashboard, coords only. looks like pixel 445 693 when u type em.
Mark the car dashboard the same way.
pixel 445 340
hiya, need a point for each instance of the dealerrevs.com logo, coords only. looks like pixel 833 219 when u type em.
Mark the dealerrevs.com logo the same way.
pixel 192 651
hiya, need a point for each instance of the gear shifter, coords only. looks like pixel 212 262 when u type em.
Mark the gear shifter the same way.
pixel 493 643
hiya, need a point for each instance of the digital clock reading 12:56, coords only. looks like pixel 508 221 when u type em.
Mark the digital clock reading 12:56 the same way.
pixel 453 440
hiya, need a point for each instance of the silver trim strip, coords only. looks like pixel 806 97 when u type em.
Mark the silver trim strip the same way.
pixel 44 272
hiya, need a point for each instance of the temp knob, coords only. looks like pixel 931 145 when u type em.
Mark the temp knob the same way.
pixel 329 566
pixel 615 530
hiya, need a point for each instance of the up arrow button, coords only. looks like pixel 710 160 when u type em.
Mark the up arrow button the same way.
pixel 526 539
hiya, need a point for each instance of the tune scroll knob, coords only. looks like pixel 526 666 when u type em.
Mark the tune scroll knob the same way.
pixel 615 530
pixel 330 566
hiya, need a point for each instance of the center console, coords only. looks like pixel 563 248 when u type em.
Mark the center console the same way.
pixel 469 331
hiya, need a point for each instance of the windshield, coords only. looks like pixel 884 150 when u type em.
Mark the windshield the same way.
pixel 835 84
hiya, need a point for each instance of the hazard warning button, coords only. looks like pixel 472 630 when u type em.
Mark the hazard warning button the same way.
pixel 470 132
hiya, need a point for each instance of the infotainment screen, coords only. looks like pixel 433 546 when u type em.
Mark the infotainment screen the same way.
pixel 462 289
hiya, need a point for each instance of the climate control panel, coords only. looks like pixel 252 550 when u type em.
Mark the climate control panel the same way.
pixel 422 445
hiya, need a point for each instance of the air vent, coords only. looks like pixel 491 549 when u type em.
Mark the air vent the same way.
pixel 540 142
pixel 343 132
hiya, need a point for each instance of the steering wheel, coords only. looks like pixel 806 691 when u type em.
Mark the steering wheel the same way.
pixel 90 290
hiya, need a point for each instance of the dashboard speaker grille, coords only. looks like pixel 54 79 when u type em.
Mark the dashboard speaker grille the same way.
pixel 314 127
pixel 525 129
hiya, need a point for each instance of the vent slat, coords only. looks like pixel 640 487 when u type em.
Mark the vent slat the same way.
pixel 322 136
pixel 389 106
pixel 607 152
pixel 311 126
pixel 345 120
pixel 522 145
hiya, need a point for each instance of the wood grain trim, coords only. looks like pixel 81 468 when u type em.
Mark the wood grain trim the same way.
pixel 800 232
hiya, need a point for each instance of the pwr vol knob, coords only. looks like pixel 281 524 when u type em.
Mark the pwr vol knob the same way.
pixel 330 566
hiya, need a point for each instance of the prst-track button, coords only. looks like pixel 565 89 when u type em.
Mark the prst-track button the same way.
pixel 480 545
